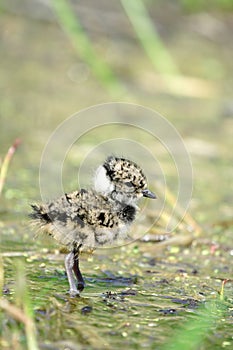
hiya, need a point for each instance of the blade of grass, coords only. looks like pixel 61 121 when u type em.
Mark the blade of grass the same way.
pixel 6 162
pixel 84 48
pixel 180 213
pixel 23 298
pixel 224 282
pixel 192 335
pixel 1 275
pixel 149 38
pixel 14 311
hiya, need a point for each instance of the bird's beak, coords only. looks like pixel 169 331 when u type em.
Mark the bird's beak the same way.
pixel 149 194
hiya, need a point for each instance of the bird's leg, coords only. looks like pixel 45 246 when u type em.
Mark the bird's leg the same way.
pixel 76 269
pixel 69 265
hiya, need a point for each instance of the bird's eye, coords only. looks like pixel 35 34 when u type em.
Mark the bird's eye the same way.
pixel 129 184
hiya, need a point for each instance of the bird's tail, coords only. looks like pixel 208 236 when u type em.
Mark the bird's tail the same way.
pixel 39 213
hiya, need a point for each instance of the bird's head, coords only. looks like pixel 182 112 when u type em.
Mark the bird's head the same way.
pixel 122 179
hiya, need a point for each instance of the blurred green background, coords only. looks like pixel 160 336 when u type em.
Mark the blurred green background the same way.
pixel 58 57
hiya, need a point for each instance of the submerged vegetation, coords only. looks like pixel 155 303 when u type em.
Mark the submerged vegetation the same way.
pixel 169 299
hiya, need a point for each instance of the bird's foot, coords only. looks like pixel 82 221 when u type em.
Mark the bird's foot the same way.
pixel 74 293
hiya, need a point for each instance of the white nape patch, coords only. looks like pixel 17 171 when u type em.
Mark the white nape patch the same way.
pixel 102 183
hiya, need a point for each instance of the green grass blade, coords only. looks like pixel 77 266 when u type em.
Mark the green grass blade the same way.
pixel 192 335
pixel 23 298
pixel 83 46
pixel 149 38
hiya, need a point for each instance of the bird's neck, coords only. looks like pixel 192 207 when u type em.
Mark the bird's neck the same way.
pixel 123 199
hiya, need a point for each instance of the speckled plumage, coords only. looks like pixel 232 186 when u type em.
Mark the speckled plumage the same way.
pixel 87 219
pixel 84 217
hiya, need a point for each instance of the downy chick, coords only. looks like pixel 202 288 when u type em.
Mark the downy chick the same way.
pixel 87 219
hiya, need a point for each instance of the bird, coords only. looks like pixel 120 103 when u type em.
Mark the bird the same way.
pixel 87 219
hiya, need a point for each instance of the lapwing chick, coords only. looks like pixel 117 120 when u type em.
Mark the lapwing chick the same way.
pixel 87 219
